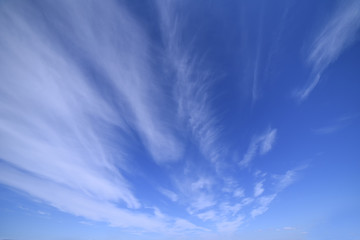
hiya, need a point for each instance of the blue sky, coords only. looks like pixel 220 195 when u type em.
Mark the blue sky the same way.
pixel 179 120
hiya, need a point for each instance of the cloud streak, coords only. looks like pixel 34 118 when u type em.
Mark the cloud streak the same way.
pixel 259 145
pixel 259 189
pixel 191 81
pixel 58 140
pixel 94 110
pixel 338 34
pixel 75 202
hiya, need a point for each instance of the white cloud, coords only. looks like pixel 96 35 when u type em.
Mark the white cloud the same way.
pixel 250 154
pixel 208 215
pixel 328 129
pixel 228 209
pixel 201 183
pixel 171 195
pixel 246 201
pixel 338 34
pixel 76 202
pixel 259 145
pixel 200 202
pixel 199 193
pixel 260 174
pixel 231 225
pixel 67 138
pixel 158 214
pixel 263 205
pixel 191 84
pixel 239 192
pixel 267 141
pixel 60 126
pixel 286 179
pixel 336 124
pixel 53 116
pixel 182 225
pixel 258 189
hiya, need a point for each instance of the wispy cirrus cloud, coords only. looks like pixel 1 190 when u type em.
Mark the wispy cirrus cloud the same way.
pixel 169 194
pixel 80 94
pixel 262 205
pixel 279 183
pixel 197 194
pixel 285 180
pixel 230 225
pixel 227 208
pixel 258 189
pixel 208 215
pixel 192 82
pixel 73 201
pixel 239 192
pixel 282 181
pixel 336 124
pixel 337 34
pixel 259 145
pixel 53 115
pixel 58 123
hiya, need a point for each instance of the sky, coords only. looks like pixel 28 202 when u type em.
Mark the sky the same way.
pixel 145 119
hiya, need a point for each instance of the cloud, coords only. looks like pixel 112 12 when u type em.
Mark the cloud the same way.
pixel 328 129
pixel 196 194
pixel 200 202
pixel 230 226
pixel 76 202
pixel 285 180
pixel 239 192
pixel 54 116
pixel 267 141
pixel 262 205
pixel 169 194
pixel 336 124
pixel 192 83
pixel 80 94
pixel 73 105
pixel 208 215
pixel 182 225
pixel 259 145
pixel 280 182
pixel 228 209
pixel 337 34
pixel 201 183
pixel 258 189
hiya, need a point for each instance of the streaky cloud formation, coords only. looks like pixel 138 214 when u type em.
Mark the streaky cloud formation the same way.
pixel 171 195
pixel 59 127
pixel 336 125
pixel 262 205
pixel 191 82
pixel 337 34
pixel 77 203
pixel 172 119
pixel 258 190
pixel 259 145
